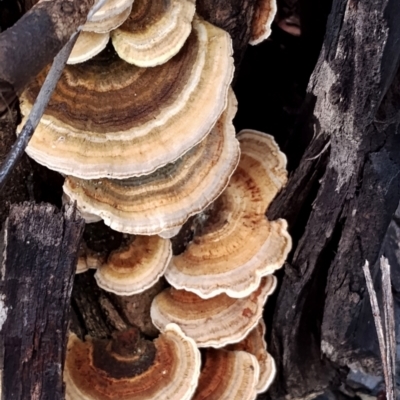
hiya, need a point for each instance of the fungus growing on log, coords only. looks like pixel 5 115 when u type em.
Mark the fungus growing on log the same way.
pixel 254 343
pixel 214 322
pixel 108 118
pixel 87 46
pixel 237 245
pixel 164 200
pixel 154 32
pixel 129 367
pixel 109 17
pixel 264 14
pixel 227 375
pixel 135 266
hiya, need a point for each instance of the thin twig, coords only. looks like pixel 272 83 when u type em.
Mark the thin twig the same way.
pixel 377 319
pixel 40 104
pixel 388 310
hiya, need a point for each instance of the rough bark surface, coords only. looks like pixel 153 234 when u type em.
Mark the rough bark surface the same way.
pixel 32 43
pixel 340 202
pixel 40 253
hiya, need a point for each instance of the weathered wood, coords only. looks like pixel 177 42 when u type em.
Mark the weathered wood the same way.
pixel 41 248
pixel 32 43
pixel 345 191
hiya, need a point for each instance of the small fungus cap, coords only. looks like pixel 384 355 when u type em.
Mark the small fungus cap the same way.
pixel 254 343
pixel 154 32
pixel 237 245
pixel 87 46
pixel 130 368
pixel 213 322
pixel 227 375
pixel 107 118
pixel 110 16
pixel 164 200
pixel 135 266
pixel 264 14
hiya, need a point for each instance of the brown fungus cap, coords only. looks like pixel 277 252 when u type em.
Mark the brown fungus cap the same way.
pixel 128 367
pixel 264 14
pixel 135 266
pixel 214 322
pixel 227 375
pixel 108 118
pixel 87 46
pixel 110 16
pixel 254 343
pixel 154 32
pixel 164 200
pixel 237 245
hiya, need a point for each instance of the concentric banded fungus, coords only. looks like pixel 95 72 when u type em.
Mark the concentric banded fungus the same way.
pixel 129 367
pixel 165 199
pixel 154 32
pixel 110 118
pixel 136 266
pixel 227 375
pixel 263 17
pixel 237 245
pixel 214 322
pixel 87 46
pixel 254 343
pixel 109 16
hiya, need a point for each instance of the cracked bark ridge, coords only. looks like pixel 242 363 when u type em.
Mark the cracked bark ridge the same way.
pixel 40 254
pixel 349 182
pixel 32 43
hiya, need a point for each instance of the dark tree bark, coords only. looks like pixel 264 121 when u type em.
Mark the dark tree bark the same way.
pixel 32 43
pixel 41 248
pixel 341 201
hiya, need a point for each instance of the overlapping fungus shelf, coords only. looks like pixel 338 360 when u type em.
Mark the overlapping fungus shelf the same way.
pixel 165 199
pixel 213 322
pixel 129 367
pixel 154 32
pixel 237 245
pixel 108 118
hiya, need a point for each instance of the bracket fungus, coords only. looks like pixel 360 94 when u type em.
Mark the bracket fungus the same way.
pixel 165 199
pixel 227 375
pixel 87 46
pixel 108 118
pixel 264 14
pixel 110 16
pixel 237 245
pixel 214 322
pixel 129 367
pixel 154 32
pixel 254 343
pixel 135 266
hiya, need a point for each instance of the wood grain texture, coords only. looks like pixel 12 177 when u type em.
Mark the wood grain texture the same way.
pixel 37 273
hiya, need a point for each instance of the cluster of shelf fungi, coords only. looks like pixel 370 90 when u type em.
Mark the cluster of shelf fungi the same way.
pixel 322 324
pixel 142 131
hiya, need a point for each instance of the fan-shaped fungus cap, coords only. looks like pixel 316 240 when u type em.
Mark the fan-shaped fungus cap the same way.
pixel 113 119
pixel 128 367
pixel 154 32
pixel 237 245
pixel 214 322
pixel 165 199
pixel 227 375
pixel 264 14
pixel 110 16
pixel 135 266
pixel 87 46
pixel 254 343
